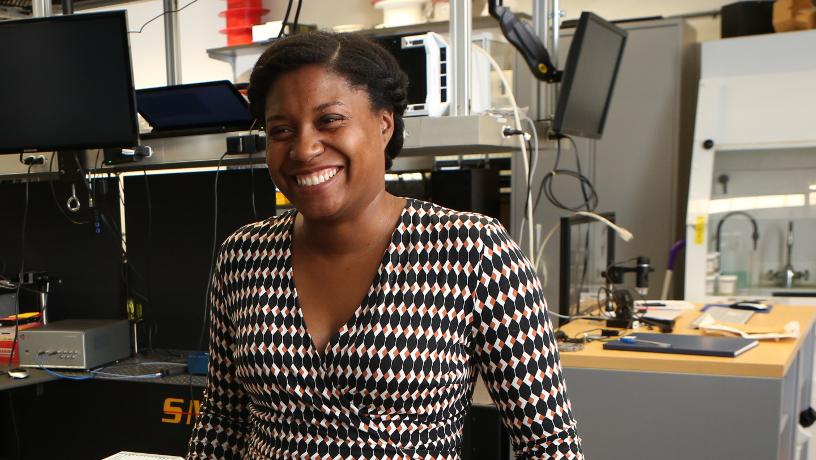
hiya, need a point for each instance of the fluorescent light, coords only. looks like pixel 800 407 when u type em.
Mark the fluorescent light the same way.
pixel 747 203
pixel 813 186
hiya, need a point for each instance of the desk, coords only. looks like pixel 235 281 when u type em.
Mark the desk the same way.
pixel 635 405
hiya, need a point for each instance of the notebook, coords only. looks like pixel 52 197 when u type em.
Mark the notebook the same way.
pixel 686 344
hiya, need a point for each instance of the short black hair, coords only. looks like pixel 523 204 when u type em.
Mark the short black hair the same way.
pixel 362 62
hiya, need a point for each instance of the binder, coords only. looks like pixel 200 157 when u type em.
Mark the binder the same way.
pixel 685 344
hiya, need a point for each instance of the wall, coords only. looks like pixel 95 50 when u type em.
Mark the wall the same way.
pixel 198 29
pixel 199 25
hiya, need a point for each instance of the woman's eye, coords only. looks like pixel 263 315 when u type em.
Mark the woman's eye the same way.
pixel 278 131
pixel 331 120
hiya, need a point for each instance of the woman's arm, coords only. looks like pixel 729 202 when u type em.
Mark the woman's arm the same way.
pixel 220 431
pixel 516 350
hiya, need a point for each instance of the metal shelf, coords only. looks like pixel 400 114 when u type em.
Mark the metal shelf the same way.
pixel 424 137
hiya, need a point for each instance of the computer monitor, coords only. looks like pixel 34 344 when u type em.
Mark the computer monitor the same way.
pixel 66 83
pixel 589 77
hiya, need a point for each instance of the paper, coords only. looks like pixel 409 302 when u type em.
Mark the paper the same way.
pixel 709 325
pixel 137 456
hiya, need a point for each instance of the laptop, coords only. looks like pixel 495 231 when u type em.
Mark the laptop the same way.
pixel 196 108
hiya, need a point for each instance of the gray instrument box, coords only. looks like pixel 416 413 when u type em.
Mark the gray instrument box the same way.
pixel 75 344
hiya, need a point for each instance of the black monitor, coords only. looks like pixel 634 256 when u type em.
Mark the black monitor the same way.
pixel 589 77
pixel 213 104
pixel 66 83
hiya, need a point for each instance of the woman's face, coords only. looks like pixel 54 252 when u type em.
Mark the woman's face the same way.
pixel 325 144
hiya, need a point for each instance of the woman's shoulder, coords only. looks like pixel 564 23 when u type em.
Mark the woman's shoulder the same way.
pixel 424 212
pixel 269 230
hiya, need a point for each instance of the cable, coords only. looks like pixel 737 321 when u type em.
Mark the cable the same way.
pixel 22 268
pixel 54 195
pixel 517 119
pixel 57 374
pixel 158 16
pixel 13 414
pixel 587 188
pixel 285 19
pixel 213 253
pixel 293 29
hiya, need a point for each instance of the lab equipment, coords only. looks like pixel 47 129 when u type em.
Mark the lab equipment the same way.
pixel 424 58
pixel 75 344
pixel 66 83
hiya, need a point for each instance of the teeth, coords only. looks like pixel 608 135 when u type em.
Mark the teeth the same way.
pixel 307 181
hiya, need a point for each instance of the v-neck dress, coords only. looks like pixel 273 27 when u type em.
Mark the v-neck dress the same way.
pixel 453 298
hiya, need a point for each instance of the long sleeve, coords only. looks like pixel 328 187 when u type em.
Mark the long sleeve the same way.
pixel 517 354
pixel 220 431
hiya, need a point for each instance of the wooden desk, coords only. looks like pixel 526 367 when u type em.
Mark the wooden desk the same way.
pixel 636 405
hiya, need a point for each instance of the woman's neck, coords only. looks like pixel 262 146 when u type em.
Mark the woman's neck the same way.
pixel 361 231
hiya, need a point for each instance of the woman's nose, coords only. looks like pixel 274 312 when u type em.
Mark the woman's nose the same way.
pixel 306 146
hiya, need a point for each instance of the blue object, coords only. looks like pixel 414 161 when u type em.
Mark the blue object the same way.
pixel 197 363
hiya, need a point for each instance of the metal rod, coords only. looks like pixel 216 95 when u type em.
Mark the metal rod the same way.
pixel 67 6
pixel 541 14
pixel 41 8
pixel 555 29
pixel 459 52
pixel 171 42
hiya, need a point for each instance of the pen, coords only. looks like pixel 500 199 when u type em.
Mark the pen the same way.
pixel 631 339
pixel 651 304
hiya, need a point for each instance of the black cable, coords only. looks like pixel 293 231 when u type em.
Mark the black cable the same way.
pixel 252 186
pixel 212 256
pixel 54 195
pixel 285 19
pixel 212 266
pixel 590 203
pixel 158 16
pixel 293 29
pixel 16 430
pixel 529 178
pixel 22 268
pixel 149 261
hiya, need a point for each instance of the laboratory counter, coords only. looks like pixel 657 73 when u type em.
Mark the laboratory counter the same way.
pixel 641 405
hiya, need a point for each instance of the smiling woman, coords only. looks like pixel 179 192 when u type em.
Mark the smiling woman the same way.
pixel 356 326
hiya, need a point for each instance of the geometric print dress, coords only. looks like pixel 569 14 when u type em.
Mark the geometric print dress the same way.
pixel 454 298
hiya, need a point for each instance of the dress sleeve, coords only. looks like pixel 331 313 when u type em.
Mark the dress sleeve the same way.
pixel 220 431
pixel 517 353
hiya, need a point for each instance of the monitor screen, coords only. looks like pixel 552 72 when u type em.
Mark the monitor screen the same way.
pixel 197 105
pixel 66 83
pixel 589 77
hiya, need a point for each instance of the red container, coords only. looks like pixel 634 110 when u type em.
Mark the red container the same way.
pixel 238 35
pixel 234 4
pixel 243 17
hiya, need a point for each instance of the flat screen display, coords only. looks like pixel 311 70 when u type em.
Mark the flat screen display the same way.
pixel 197 105
pixel 66 83
pixel 589 77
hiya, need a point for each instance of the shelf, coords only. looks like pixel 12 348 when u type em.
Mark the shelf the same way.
pixel 228 53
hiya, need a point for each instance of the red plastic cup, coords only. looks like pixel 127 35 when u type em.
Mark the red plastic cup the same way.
pixel 243 17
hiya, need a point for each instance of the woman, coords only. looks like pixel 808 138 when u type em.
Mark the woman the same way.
pixel 310 358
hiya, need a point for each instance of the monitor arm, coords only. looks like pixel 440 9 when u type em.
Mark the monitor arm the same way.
pixel 524 39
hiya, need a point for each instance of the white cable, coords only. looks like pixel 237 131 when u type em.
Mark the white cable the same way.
pixel 525 160
pixel 625 235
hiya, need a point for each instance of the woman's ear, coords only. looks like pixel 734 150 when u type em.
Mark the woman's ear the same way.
pixel 386 125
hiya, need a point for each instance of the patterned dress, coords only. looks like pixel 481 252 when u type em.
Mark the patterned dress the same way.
pixel 453 298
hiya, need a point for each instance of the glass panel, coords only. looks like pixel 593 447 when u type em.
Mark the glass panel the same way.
pixel 774 192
